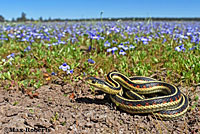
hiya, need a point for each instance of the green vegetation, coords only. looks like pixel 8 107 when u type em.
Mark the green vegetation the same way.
pixel 144 51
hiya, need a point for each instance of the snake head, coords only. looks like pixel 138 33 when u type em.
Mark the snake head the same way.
pixel 95 82
pixel 102 85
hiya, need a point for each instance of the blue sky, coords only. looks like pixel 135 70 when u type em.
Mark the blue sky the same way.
pixel 73 9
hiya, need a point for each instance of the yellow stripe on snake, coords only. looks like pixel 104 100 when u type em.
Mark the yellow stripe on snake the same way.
pixel 143 95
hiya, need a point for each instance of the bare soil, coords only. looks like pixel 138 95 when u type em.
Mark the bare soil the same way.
pixel 63 108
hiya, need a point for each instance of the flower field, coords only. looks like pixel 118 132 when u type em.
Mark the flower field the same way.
pixel 31 52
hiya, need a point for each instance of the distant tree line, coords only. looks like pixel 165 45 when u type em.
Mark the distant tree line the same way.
pixel 23 18
pixel 138 19
pixel 2 18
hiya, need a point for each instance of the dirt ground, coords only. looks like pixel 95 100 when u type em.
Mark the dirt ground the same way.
pixel 62 108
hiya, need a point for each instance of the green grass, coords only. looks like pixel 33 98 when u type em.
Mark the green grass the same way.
pixel 28 68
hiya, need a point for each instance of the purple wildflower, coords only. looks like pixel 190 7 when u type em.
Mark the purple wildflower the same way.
pixel 91 61
pixel 107 44
pixel 27 49
pixel 70 71
pixel 180 48
pixel 53 73
pixel 12 55
pixel 121 52
pixel 64 67
pixel 131 47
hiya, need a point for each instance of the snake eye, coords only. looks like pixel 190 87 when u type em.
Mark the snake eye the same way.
pixel 93 81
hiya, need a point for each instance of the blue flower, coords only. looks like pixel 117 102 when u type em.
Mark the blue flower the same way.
pixel 27 49
pixel 113 41
pixel 131 47
pixel 144 40
pixel 123 36
pixel 70 71
pixel 125 48
pixel 61 42
pixel 11 36
pixel 177 49
pixel 32 41
pixel 64 67
pixel 127 42
pixel 90 48
pixel 91 61
pixel 116 30
pixel 121 52
pixel 108 32
pixel 53 73
pixel 55 43
pixel 18 36
pixel 164 40
pixel 12 55
pixel 107 44
pixel 84 74
pixel 193 39
pixel 95 37
pixel 113 49
pixel 180 48
pixel 102 38
pixel 121 45
pixel 109 49
pixel 24 39
pixel 113 52
pixel 46 30
pixel 192 48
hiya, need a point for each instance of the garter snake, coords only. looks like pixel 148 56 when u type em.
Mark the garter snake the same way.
pixel 130 95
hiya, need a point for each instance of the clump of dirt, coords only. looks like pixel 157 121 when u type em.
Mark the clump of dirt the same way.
pixel 63 108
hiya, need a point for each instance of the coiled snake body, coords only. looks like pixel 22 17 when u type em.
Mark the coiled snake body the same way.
pixel 138 95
